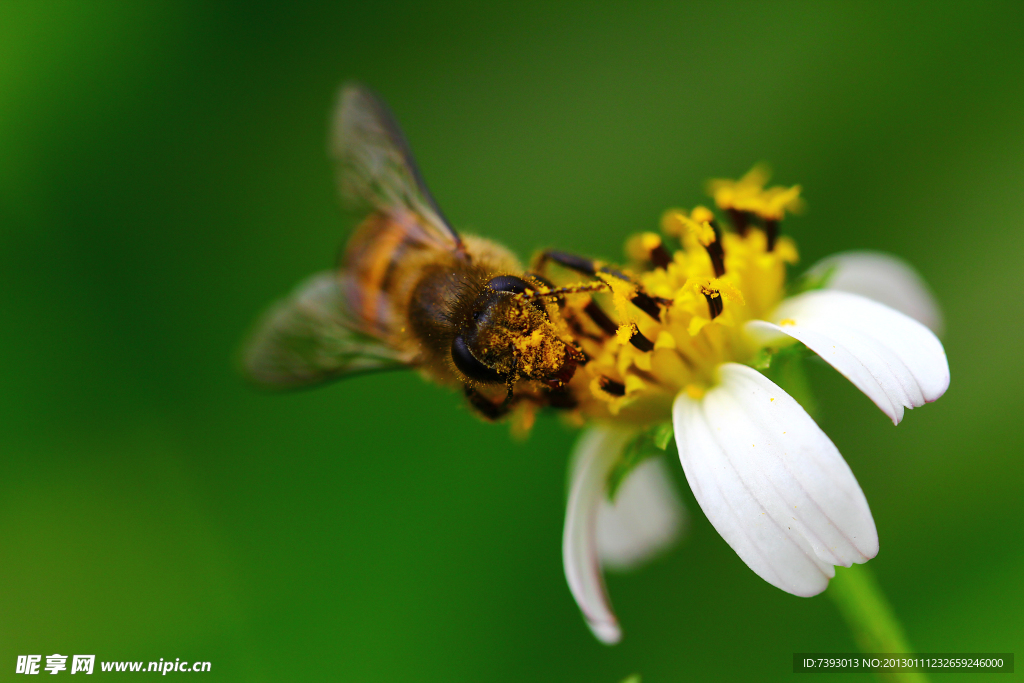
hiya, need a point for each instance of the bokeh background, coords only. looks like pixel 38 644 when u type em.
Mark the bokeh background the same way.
pixel 163 176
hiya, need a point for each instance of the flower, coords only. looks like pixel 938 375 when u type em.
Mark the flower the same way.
pixel 694 325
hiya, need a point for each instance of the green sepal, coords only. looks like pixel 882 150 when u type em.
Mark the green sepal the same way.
pixel 763 360
pixel 786 368
pixel 817 278
pixel 662 435
pixel 648 443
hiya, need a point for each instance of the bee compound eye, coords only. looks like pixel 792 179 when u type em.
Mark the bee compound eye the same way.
pixel 514 285
pixel 467 363
pixel 509 283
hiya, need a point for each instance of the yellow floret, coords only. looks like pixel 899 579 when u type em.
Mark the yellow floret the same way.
pixel 688 345
pixel 749 194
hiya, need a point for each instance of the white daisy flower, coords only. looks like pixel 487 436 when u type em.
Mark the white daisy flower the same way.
pixel 766 476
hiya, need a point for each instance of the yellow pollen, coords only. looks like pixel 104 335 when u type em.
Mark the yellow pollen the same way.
pixel 701 325
pixel 702 214
pixel 622 294
pixel 731 292
pixel 785 250
pixel 787 321
pixel 697 225
pixel 703 232
pixel 673 223
pixel 749 194
pixel 650 240
pixel 639 247
pixel 625 333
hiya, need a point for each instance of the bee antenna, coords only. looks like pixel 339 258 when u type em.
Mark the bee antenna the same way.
pixel 573 289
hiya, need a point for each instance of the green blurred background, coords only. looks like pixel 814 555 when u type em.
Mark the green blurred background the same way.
pixel 163 177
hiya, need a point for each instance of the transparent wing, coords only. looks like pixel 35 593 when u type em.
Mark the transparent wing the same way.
pixel 376 170
pixel 310 337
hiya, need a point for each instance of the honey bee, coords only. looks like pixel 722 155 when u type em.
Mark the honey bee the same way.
pixel 409 291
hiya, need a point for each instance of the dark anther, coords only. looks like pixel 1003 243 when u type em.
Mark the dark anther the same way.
pixel 647 304
pixel 740 220
pixel 715 251
pixel 717 258
pixel 600 318
pixel 643 343
pixel 660 256
pixel 610 386
pixel 579 332
pixel 714 302
pixel 467 363
pixel 771 229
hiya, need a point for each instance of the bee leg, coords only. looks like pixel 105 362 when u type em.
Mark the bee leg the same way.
pixel 488 409
pixel 561 399
pixel 580 264
pixel 645 302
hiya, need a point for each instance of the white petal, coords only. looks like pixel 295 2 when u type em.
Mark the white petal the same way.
pixel 646 517
pixel 593 457
pixel 771 482
pixel 898 362
pixel 885 279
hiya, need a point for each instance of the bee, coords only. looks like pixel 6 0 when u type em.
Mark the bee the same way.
pixel 409 291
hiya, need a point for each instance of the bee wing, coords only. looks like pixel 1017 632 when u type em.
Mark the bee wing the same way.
pixel 376 169
pixel 310 337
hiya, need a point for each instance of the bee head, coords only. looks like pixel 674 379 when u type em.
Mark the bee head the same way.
pixel 509 337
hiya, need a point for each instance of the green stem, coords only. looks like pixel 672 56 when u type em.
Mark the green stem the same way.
pixel 869 615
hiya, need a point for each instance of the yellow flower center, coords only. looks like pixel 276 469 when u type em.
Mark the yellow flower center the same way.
pixel 707 288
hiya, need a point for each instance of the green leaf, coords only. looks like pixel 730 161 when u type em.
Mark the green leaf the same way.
pixel 635 678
